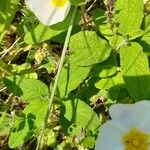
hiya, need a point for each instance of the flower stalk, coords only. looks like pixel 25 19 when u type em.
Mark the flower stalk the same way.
pixel 58 75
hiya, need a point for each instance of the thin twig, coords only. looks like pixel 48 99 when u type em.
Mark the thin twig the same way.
pixel 57 75
pixel 10 97
pixel 3 89
pixel 9 49
pixel 91 6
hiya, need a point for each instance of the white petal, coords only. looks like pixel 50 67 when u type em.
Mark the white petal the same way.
pixel 46 13
pixel 146 129
pixel 110 136
pixel 133 115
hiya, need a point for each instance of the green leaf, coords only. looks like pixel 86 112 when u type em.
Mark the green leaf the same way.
pixel 91 49
pixel 110 80
pixel 129 16
pixel 135 70
pixel 106 30
pixel 118 93
pixel 99 16
pixel 5 123
pixel 27 89
pixel 8 9
pixel 49 64
pixel 71 76
pixel 28 123
pixel 105 70
pixel 88 89
pixel 147 24
pixel 145 42
pixel 4 67
pixel 145 39
pixel 25 70
pixel 41 33
pixel 114 39
pixel 89 142
pixel 76 114
pixel 106 83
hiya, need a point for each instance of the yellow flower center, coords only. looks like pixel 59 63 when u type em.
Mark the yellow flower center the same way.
pixel 136 140
pixel 58 3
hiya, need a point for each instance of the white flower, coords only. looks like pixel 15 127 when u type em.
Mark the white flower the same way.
pixel 129 128
pixel 49 12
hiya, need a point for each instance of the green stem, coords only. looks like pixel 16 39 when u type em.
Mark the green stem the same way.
pixel 57 75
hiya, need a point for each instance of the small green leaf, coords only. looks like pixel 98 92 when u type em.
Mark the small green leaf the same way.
pixel 105 70
pixel 4 67
pixel 135 70
pixel 76 113
pixel 25 70
pixel 114 85
pixel 89 142
pixel 48 64
pixel 145 39
pixel 28 123
pixel 147 24
pixel 27 89
pixel 106 30
pixel 106 83
pixel 99 16
pixel 145 42
pixel 8 9
pixel 114 38
pixel 5 123
pixel 40 34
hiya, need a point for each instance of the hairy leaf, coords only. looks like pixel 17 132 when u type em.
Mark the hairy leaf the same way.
pixel 77 114
pixel 8 9
pixel 91 50
pixel 135 70
pixel 129 16
pixel 26 89
pixel 87 48
pixel 40 33
pixel 28 123
pixel 71 77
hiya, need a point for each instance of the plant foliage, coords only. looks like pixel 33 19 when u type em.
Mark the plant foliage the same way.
pixel 107 62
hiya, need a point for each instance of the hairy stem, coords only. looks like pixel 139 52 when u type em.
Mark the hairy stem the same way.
pixel 57 75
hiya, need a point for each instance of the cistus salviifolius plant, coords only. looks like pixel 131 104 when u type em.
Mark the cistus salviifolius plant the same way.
pixel 74 74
